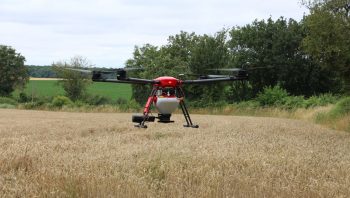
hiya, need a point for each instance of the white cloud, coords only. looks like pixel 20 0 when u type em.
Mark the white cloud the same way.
pixel 106 31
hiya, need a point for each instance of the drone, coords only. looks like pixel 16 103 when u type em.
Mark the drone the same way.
pixel 166 94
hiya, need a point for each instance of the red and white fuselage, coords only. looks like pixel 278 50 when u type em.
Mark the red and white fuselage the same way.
pixel 165 99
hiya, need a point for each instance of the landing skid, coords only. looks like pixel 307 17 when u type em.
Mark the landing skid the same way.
pixel 192 126
pixel 169 121
pixel 141 126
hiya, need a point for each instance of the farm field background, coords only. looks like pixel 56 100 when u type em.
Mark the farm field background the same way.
pixel 61 154
pixel 49 88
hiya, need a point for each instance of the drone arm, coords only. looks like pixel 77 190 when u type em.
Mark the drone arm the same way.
pixel 141 81
pixel 214 80
pixel 126 80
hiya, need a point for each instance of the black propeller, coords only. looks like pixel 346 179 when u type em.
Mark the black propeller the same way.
pixel 227 69
pixel 118 73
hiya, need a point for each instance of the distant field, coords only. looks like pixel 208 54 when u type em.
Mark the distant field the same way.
pixel 40 87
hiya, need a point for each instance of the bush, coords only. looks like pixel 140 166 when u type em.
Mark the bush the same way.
pixel 321 100
pixel 5 100
pixel 7 106
pixel 22 97
pixel 33 105
pixel 60 101
pixel 293 102
pixel 133 105
pixel 338 116
pixel 79 103
pixel 121 101
pixel 272 96
pixel 250 104
pixel 341 108
pixel 97 100
pixel 130 105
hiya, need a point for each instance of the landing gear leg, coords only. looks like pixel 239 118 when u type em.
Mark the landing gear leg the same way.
pixel 146 111
pixel 187 115
pixel 185 111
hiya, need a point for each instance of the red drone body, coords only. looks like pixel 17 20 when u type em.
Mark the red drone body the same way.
pixel 166 96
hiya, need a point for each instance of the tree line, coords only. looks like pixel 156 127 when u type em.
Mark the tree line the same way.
pixel 41 71
pixel 306 57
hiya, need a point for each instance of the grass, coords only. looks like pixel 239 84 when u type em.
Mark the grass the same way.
pixel 50 88
pixel 60 154
pixel 338 117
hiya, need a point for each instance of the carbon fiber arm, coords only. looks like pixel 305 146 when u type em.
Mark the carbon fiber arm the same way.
pixel 126 80
pixel 214 80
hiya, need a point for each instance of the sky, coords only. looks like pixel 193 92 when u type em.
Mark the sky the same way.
pixel 106 31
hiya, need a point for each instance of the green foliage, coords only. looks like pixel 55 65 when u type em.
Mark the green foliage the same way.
pixel 321 100
pixel 60 101
pixel 272 96
pixel 337 115
pixel 250 104
pixel 35 104
pixel 209 52
pixel 184 53
pixel 275 46
pixel 133 105
pixel 23 97
pixel 13 73
pixel 328 36
pixel 73 82
pixel 279 97
pixel 121 101
pixel 238 91
pixel 10 101
pixel 293 102
pixel 341 108
pixel 7 106
pixel 41 71
pixel 97 100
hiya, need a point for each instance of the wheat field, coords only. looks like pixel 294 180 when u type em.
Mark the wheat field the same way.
pixel 60 154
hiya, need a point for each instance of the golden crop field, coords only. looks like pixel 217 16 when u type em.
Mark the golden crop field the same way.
pixel 60 154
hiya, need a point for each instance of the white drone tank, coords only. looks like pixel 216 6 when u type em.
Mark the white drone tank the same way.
pixel 166 105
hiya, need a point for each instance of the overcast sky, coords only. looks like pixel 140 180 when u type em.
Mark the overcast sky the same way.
pixel 106 31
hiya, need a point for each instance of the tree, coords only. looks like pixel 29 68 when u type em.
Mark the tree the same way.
pixel 13 73
pixel 208 53
pixel 184 53
pixel 275 45
pixel 74 82
pixel 328 38
pixel 143 57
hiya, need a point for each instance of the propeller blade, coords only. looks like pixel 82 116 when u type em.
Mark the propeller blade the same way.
pixel 254 68
pixel 227 69
pixel 131 68
pixel 79 70
pixel 127 69
pixel 216 76
pixel 203 76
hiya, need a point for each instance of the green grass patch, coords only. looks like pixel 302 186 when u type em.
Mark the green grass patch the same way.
pixel 9 101
pixel 7 106
pixel 341 108
pixel 338 117
pixel 50 88
pixel 110 90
